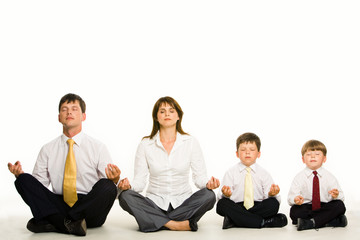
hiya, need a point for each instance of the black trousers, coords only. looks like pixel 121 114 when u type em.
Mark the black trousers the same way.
pixel 151 218
pixel 251 218
pixel 322 216
pixel 93 207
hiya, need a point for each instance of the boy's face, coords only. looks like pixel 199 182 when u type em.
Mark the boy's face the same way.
pixel 248 153
pixel 314 159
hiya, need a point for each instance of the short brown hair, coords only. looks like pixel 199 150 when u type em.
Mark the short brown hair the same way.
pixel 313 145
pixel 70 97
pixel 248 137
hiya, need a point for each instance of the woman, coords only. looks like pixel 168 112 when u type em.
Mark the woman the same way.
pixel 164 159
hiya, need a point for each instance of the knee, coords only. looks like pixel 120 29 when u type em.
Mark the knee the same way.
pixel 209 195
pixel 219 206
pixel 222 206
pixel 107 186
pixel 272 203
pixel 340 206
pixel 126 195
pixel 24 178
pixel 125 199
pixel 275 204
pixel 222 202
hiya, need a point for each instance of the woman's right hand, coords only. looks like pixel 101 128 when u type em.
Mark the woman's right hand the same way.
pixel 124 184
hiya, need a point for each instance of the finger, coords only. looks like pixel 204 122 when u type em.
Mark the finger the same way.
pixel 17 168
pixel 121 184
pixel 112 167
pixel 117 170
pixel 217 182
pixel 109 166
pixel 211 181
pixel 11 167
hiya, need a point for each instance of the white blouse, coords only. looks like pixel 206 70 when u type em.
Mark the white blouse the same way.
pixel 168 174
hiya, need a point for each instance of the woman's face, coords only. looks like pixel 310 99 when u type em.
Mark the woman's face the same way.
pixel 167 116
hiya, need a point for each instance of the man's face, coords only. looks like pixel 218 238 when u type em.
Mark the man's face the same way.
pixel 70 115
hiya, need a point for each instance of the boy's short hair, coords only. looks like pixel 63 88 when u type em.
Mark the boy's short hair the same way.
pixel 70 97
pixel 313 145
pixel 248 137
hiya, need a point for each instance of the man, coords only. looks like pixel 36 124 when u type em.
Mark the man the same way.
pixel 76 166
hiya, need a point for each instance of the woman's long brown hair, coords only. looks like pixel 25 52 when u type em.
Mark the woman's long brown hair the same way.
pixel 156 125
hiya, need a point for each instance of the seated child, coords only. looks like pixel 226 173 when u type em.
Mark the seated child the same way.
pixel 315 196
pixel 248 196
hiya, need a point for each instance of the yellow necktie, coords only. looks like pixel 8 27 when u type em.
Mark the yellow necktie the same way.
pixel 249 190
pixel 69 186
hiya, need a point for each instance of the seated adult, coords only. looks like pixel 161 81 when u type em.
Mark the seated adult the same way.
pixel 164 160
pixel 81 174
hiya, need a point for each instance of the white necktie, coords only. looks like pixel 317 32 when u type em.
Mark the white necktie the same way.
pixel 249 190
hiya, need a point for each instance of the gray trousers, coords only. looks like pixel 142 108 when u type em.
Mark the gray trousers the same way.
pixel 151 218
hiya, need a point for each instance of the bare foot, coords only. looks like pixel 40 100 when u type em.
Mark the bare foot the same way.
pixel 178 226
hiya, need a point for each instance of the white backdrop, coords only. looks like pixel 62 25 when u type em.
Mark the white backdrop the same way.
pixel 286 70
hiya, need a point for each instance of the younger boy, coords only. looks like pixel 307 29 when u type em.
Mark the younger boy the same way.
pixel 249 197
pixel 315 195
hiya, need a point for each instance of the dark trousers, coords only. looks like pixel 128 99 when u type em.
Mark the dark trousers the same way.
pixel 151 218
pixel 251 218
pixel 322 216
pixel 93 207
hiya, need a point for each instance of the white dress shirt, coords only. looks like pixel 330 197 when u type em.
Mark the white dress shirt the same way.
pixel 235 179
pixel 303 183
pixel 168 174
pixel 91 158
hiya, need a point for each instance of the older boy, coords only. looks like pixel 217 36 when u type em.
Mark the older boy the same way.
pixel 315 194
pixel 249 197
pixel 76 166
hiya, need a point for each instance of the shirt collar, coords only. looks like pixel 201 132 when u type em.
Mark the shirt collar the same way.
pixel 253 167
pixel 179 138
pixel 77 138
pixel 309 172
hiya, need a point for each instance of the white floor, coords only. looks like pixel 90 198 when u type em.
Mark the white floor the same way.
pixel 121 226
